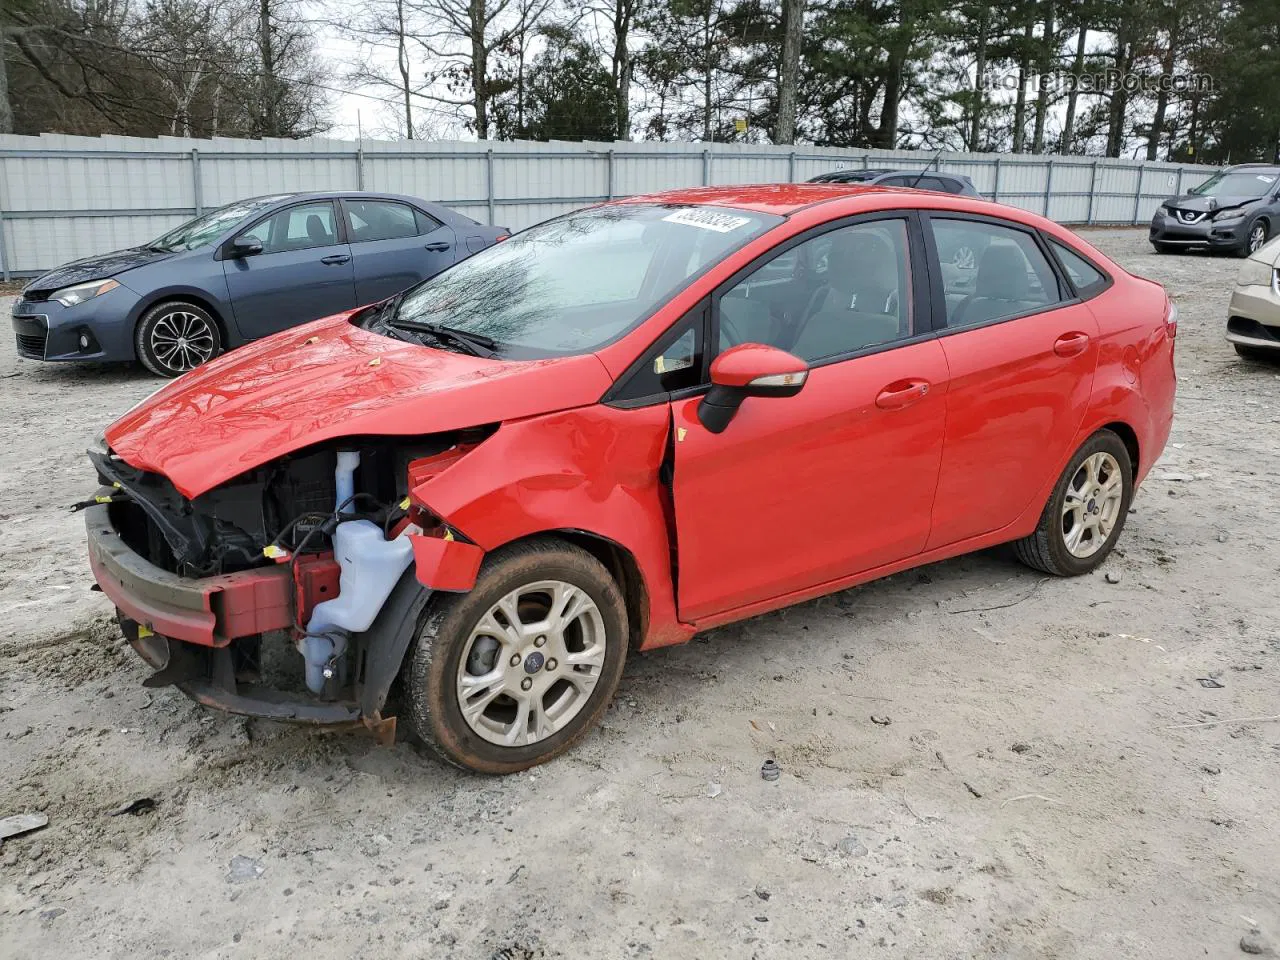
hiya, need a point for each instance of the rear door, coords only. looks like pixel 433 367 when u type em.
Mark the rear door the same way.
pixel 801 491
pixel 394 245
pixel 1021 350
pixel 303 272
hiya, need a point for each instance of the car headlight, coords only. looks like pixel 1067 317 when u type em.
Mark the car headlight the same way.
pixel 1234 214
pixel 1255 273
pixel 70 296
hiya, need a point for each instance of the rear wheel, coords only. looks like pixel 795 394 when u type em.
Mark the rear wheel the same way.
pixel 175 337
pixel 520 668
pixel 1086 512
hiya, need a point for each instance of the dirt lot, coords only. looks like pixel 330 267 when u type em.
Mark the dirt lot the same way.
pixel 1049 784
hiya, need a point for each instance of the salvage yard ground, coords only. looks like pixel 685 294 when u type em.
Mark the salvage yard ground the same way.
pixel 1053 780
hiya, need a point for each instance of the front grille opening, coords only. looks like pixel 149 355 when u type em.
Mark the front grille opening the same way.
pixel 31 345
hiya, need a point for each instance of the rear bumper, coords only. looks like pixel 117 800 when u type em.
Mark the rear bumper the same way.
pixel 209 611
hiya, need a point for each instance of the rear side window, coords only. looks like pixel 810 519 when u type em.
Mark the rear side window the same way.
pixel 990 272
pixel 381 220
pixel 1085 277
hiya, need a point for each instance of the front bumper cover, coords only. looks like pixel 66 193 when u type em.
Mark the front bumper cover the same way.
pixel 1219 234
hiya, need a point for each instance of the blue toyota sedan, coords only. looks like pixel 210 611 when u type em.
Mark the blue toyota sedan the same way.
pixel 238 273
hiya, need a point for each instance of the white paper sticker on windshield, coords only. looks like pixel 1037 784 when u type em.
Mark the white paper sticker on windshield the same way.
pixel 1265 179
pixel 708 220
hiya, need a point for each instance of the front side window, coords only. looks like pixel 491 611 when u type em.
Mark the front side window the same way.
pixel 578 282
pixel 380 220
pixel 847 290
pixel 990 272
pixel 297 228
pixel 205 229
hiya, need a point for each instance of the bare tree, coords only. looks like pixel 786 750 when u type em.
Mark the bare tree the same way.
pixel 789 70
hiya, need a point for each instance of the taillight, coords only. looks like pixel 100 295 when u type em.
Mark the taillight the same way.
pixel 500 237
pixel 1171 318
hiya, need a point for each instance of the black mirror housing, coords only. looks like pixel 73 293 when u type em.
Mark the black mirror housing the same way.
pixel 245 247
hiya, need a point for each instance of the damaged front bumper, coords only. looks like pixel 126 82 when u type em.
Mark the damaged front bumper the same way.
pixel 188 630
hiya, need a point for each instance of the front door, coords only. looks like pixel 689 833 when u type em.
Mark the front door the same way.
pixel 801 491
pixel 303 272
pixel 1022 355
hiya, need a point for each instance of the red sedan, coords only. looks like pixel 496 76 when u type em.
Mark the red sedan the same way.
pixel 614 430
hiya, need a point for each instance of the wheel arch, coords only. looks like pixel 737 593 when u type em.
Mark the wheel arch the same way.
pixel 193 297
pixel 1129 437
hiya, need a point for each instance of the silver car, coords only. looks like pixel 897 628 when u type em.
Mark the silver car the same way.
pixel 1253 317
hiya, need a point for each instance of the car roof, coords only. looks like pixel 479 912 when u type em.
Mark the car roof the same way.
pixel 780 199
pixel 1266 167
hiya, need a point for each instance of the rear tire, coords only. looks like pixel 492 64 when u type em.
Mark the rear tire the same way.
pixel 1086 511
pixel 550 684
pixel 176 337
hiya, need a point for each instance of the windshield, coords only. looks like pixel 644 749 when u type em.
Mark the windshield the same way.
pixel 207 228
pixel 578 282
pixel 1238 184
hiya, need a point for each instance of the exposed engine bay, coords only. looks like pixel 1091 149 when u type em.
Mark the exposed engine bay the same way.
pixel 338 514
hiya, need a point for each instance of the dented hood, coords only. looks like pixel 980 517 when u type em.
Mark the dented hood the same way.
pixel 329 379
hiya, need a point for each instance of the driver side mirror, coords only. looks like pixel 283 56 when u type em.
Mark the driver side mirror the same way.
pixel 246 247
pixel 748 370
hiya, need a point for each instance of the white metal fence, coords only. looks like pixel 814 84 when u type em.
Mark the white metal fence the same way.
pixel 64 197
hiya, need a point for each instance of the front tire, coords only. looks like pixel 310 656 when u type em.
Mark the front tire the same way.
pixel 1086 511
pixel 1254 239
pixel 1256 354
pixel 519 669
pixel 1163 247
pixel 176 337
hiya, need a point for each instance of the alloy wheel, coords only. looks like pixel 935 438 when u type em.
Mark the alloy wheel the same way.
pixel 182 340
pixel 531 663
pixel 1257 237
pixel 1091 505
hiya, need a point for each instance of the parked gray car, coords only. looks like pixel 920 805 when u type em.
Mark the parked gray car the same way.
pixel 240 272
pixel 920 180
pixel 1236 210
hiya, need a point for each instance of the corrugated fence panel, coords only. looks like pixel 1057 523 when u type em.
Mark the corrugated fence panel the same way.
pixel 64 197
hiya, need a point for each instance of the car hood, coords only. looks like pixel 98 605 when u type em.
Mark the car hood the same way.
pixel 329 379
pixel 1208 204
pixel 96 268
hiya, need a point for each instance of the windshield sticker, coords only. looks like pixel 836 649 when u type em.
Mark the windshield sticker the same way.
pixel 1265 179
pixel 708 220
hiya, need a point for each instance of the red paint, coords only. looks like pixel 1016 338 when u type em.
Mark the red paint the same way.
pixel 449 565
pixel 234 605
pixel 315 580
pixel 739 365
pixel 880 463
pixel 326 380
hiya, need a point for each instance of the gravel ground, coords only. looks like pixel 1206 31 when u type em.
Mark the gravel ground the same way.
pixel 1048 777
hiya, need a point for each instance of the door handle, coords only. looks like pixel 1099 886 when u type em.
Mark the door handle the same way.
pixel 901 393
pixel 335 258
pixel 1071 344
pixel 438 246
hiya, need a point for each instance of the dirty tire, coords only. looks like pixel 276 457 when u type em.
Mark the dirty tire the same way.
pixel 154 337
pixel 1046 549
pixel 430 702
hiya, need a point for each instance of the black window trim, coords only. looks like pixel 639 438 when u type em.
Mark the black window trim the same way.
pixel 1066 292
pixel 338 220
pixel 342 202
pixel 698 315
pixel 1107 279
pixel 921 294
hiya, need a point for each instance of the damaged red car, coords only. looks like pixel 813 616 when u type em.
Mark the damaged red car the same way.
pixel 616 429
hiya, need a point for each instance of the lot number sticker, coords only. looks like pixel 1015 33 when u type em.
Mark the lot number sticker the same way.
pixel 708 220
